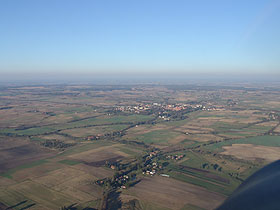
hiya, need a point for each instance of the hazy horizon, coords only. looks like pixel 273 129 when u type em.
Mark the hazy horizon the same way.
pixel 129 79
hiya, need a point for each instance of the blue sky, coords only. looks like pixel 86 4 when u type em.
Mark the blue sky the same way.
pixel 140 36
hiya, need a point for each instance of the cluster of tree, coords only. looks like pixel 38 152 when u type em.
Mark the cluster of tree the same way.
pixel 117 181
pixel 236 176
pixel 110 200
pixel 6 107
pixel 181 115
pixel 109 136
pixel 132 204
pixel 214 166
pixel 71 207
pixel 50 113
pixel 116 165
pixel 74 207
pixel 56 144
pixel 120 133
pixel 23 127
pixel 138 143
pixel 126 173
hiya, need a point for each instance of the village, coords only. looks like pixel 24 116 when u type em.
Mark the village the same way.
pixel 140 108
pixel 128 175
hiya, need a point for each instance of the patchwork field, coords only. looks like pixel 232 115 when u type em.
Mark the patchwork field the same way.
pixel 125 147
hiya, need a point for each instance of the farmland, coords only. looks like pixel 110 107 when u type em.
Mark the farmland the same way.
pixel 133 146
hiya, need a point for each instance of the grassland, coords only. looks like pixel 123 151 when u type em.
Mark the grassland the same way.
pixel 157 137
pixel 79 124
pixel 9 173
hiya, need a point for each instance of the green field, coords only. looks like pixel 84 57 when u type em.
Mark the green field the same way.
pixel 157 137
pixel 202 183
pixel 84 147
pixel 9 173
pixel 35 193
pixel 69 162
pixel 83 123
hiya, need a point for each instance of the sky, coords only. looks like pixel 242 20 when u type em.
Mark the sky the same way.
pixel 91 37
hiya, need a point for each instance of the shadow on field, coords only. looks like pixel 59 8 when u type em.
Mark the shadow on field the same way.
pixel 28 206
pixel 20 204
pixel 113 201
pixel 135 183
pixel 71 207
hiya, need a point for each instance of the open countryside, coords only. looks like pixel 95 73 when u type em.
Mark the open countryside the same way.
pixel 132 146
